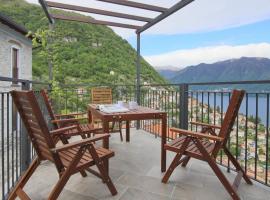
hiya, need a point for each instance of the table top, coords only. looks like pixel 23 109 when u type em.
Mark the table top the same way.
pixel 140 112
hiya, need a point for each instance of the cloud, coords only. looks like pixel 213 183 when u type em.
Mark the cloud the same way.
pixel 211 54
pixel 199 16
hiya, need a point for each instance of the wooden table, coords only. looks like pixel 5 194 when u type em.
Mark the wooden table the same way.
pixel 141 113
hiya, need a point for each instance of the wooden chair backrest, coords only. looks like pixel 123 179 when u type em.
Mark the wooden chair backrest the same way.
pixel 49 106
pixel 231 114
pixel 38 132
pixel 101 95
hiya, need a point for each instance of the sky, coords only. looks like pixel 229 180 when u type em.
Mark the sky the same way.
pixel 204 31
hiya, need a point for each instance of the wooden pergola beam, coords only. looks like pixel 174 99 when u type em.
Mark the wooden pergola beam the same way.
pixel 93 21
pixel 166 14
pixel 136 5
pixel 97 11
pixel 45 8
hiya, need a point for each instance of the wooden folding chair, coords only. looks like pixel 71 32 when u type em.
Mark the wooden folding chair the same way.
pixel 206 145
pixel 63 120
pixel 68 159
pixel 103 95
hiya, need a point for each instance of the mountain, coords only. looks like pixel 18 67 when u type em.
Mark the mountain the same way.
pixel 82 53
pixel 168 74
pixel 242 69
pixel 245 68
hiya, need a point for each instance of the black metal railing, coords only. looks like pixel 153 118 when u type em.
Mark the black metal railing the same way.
pixel 201 102
pixel 249 140
pixel 16 150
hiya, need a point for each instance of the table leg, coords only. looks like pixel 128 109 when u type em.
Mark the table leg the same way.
pixel 89 116
pixel 106 130
pixel 163 142
pixel 127 131
pixel 106 143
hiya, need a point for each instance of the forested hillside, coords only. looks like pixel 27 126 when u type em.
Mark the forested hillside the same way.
pixel 82 52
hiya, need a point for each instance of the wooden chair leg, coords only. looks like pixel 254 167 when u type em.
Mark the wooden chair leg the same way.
pixel 185 162
pixel 64 140
pixel 22 195
pixel 18 190
pixel 171 168
pixel 113 124
pixel 237 165
pixel 120 130
pixel 217 170
pixel 83 173
pixel 175 161
pixel 102 170
pixel 66 175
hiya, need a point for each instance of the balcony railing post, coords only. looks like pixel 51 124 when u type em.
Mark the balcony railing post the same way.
pixel 183 106
pixel 25 143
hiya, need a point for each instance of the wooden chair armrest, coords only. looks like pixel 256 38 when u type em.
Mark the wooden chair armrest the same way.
pixel 80 143
pixel 63 130
pixel 204 124
pixel 70 114
pixel 67 120
pixel 98 130
pixel 196 134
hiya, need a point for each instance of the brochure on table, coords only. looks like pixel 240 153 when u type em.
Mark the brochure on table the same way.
pixel 112 108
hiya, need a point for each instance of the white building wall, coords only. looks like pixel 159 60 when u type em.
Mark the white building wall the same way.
pixel 10 38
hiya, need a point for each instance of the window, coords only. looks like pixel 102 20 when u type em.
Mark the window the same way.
pixel 15 64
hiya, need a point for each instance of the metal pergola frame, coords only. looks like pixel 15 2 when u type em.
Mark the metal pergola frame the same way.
pixel 164 13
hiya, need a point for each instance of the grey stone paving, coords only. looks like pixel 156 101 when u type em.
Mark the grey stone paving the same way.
pixel 135 170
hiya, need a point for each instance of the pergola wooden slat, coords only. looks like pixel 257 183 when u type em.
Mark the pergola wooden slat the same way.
pixel 92 21
pixel 136 5
pixel 97 11
pixel 164 13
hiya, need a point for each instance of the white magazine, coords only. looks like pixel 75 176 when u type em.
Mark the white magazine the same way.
pixel 112 108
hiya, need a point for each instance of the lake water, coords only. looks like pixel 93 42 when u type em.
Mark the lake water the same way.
pixel 261 100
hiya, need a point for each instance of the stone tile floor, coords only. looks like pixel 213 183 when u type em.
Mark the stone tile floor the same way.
pixel 135 170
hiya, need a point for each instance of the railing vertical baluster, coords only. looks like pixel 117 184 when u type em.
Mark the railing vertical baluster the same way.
pixel 191 108
pixel 155 107
pixel 246 132
pixel 173 119
pixel 159 107
pixel 183 106
pixel 25 143
pixel 168 111
pixel 66 101
pixel 162 102
pixel 149 101
pixel 221 155
pixel 267 139
pixel 229 140
pixel 8 160
pixel 177 111
pixel 202 106
pixel 208 108
pixel 3 146
pixel 215 104
pixel 165 107
pixel 197 109
pixel 12 145
pixel 151 106
pixel 237 141
pixel 77 101
pixel 256 136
